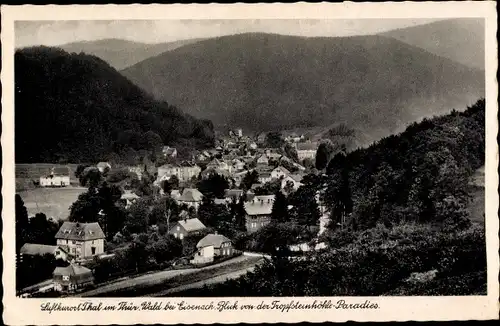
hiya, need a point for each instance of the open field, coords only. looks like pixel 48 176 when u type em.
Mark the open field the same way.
pixel 53 202
pixel 26 173
pixel 157 282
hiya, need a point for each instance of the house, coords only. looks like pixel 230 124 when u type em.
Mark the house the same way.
pixel 185 227
pixel 306 150
pixel 263 160
pixel 219 165
pixel 258 212
pixel 207 173
pixel 175 194
pixel 279 172
pixel 238 165
pixel 265 177
pixel 184 171
pixel 293 180
pixel 83 240
pixel 233 194
pixel 211 246
pixel 191 197
pixel 220 201
pixel 238 132
pixel 138 169
pixel 238 177
pixel 72 278
pixel 103 167
pixel 129 198
pixel 168 151
pixel 35 249
pixel 55 181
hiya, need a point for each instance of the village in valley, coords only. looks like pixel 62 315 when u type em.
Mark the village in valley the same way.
pixel 250 163
pixel 213 203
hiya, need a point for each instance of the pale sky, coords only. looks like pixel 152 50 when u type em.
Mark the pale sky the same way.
pixel 59 32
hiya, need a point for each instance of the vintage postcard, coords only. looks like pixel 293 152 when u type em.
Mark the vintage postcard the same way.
pixel 249 163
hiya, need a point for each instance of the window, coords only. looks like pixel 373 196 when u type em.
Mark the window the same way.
pixel 65 277
pixel 181 236
pixel 74 242
pixel 93 250
pixel 92 241
pixel 178 228
pixel 58 252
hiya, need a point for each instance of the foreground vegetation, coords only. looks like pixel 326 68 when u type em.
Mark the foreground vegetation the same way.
pixel 400 224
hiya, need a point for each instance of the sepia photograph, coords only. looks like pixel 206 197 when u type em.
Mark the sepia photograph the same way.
pixel 259 157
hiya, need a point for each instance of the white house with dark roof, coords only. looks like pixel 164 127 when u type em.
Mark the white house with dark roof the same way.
pixel 72 277
pixel 185 227
pixel 307 150
pixel 211 246
pixel 83 240
pixel 129 198
pixel 35 249
pixel 58 177
pixel 192 197
pixel 258 212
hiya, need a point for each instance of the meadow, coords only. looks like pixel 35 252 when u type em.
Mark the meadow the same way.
pixel 53 202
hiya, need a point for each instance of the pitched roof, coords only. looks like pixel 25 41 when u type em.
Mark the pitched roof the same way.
pixel 191 195
pixel 307 146
pixel 75 272
pixel 192 224
pixel 129 196
pixel 220 201
pixel 60 170
pixel 296 177
pixel 233 192
pixel 283 169
pixel 103 164
pixel 258 208
pixel 212 239
pixel 256 185
pixel 37 249
pixel 80 231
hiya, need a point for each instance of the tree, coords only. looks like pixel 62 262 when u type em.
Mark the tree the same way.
pixel 305 210
pixel 91 177
pixel 174 182
pixel 249 179
pixel 274 139
pixel 86 207
pixel 138 218
pixel 166 248
pixel 291 152
pixel 324 154
pixel 238 213
pixel 214 186
pixel 279 212
pixel 22 222
pixel 213 215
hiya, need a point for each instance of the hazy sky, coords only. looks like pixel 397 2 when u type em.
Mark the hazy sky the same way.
pixel 156 31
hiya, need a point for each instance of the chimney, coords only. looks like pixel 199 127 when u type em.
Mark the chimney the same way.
pixel 215 232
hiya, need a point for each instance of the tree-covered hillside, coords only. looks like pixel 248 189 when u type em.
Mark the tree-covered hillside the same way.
pixel 420 175
pixel 75 107
pixel 264 82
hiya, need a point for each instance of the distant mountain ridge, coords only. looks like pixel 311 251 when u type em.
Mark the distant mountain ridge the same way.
pixel 267 81
pixel 77 108
pixel 121 54
pixel 459 39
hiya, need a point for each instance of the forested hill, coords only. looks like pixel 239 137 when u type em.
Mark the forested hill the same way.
pixel 75 107
pixel 420 175
pixel 266 82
